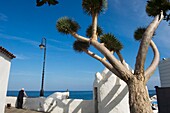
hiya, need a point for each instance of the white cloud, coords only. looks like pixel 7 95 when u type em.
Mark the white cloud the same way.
pixel 31 42
pixel 62 45
pixel 56 41
pixel 24 40
pixel 61 42
pixel 21 57
pixel 3 17
pixel 131 8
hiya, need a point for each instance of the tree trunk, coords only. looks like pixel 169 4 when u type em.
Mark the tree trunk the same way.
pixel 138 97
pixel 145 42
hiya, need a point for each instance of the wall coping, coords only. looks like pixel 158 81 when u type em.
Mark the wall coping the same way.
pixel 7 53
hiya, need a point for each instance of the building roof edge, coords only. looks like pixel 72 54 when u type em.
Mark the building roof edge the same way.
pixel 7 53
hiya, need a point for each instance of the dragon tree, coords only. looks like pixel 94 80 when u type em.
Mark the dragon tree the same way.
pixel 107 44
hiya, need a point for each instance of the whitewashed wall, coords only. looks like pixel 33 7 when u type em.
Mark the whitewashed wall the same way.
pixel 112 93
pixel 56 105
pixel 71 106
pixel 4 75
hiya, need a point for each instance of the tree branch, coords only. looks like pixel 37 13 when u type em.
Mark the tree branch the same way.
pixel 150 70
pixel 104 62
pixel 120 56
pixel 78 37
pixel 112 52
pixel 94 26
pixel 125 74
pixel 141 57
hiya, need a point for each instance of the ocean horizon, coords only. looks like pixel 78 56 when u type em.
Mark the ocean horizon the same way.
pixel 85 95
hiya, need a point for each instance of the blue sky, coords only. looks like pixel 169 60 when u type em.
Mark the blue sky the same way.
pixel 22 26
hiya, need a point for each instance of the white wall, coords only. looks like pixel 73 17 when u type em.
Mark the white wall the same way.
pixel 11 100
pixel 71 106
pixel 28 103
pixel 112 93
pixel 55 105
pixel 4 75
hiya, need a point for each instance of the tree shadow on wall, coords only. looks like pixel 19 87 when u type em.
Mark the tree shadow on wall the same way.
pixel 112 99
pixel 65 107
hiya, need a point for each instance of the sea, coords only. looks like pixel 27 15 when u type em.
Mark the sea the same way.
pixel 85 95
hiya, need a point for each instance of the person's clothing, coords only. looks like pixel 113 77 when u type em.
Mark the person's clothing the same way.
pixel 21 94
pixel 19 103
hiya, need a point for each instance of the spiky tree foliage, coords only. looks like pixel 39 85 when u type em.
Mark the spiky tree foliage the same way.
pixel 89 31
pixel 66 25
pixel 139 33
pixel 111 42
pixel 50 2
pixel 80 46
pixel 94 6
pixel 154 7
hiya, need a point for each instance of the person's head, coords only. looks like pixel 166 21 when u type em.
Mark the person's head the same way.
pixel 22 89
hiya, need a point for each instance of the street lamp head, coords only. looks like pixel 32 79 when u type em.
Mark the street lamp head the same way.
pixel 43 43
pixel 42 46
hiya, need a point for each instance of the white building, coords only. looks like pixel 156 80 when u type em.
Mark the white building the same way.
pixel 111 94
pixel 164 71
pixel 5 63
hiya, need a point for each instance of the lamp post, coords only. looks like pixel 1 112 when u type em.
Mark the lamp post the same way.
pixel 43 46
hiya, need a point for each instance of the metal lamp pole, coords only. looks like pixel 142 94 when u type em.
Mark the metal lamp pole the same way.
pixel 43 46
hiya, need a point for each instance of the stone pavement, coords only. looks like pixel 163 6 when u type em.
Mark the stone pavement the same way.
pixel 15 110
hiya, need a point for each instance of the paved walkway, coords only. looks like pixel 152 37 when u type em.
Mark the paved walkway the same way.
pixel 15 110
